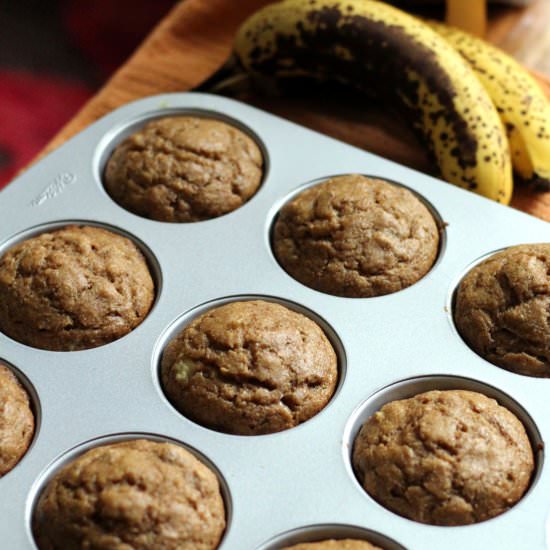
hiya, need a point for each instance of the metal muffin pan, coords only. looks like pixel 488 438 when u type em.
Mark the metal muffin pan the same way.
pixel 298 484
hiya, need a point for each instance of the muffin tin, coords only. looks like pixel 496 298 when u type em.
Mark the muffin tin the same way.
pixel 295 485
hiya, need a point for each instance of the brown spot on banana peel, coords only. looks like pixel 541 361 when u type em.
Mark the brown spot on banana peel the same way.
pixel 521 103
pixel 392 54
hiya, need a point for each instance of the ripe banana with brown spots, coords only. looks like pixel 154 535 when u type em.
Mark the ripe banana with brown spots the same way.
pixel 376 47
pixel 522 105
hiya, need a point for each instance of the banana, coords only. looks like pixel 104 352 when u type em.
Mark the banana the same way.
pixel 522 105
pixel 376 47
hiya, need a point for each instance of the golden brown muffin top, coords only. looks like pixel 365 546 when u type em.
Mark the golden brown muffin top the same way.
pixel 356 236
pixel 136 494
pixel 73 288
pixel 16 420
pixel 444 457
pixel 331 544
pixel 502 308
pixel 250 368
pixel 184 169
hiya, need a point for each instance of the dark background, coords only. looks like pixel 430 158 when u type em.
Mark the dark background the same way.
pixel 54 55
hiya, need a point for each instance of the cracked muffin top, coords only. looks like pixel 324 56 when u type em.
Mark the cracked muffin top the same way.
pixel 355 236
pixel 444 457
pixel 73 288
pixel 250 368
pixel 16 420
pixel 502 307
pixel 340 544
pixel 135 494
pixel 184 169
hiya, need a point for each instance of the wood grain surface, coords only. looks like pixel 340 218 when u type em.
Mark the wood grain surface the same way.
pixel 195 39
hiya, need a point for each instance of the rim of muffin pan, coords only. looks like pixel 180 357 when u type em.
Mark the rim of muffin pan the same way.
pixel 119 132
pixel 152 262
pixel 274 212
pixel 67 456
pixel 450 305
pixel 179 323
pixel 35 405
pixel 317 533
pixel 409 387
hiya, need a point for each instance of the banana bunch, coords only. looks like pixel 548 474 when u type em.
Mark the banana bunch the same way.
pixel 377 48
pixel 522 105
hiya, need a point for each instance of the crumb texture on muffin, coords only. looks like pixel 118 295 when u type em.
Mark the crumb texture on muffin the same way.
pixel 502 309
pixel 444 457
pixel 136 494
pixel 184 169
pixel 16 420
pixel 250 368
pixel 333 544
pixel 73 288
pixel 356 236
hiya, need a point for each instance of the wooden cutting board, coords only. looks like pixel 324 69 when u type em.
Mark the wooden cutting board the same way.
pixel 195 39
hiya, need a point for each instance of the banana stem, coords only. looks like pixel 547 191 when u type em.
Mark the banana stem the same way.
pixel 229 78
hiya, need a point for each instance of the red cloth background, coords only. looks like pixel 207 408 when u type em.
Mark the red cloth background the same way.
pixel 35 104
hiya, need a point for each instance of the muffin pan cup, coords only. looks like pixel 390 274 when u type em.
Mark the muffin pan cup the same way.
pixel 301 477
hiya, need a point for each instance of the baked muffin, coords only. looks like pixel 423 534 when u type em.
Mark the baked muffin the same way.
pixel 444 457
pixel 135 494
pixel 250 368
pixel 184 169
pixel 356 236
pixel 502 306
pixel 341 544
pixel 16 420
pixel 73 288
